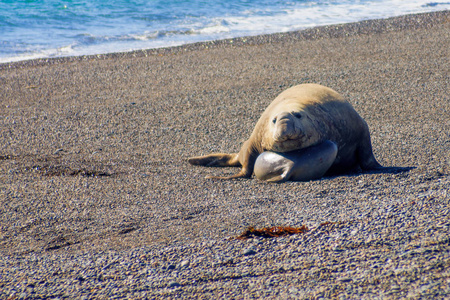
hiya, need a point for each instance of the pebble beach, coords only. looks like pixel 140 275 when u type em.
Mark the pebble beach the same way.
pixel 97 200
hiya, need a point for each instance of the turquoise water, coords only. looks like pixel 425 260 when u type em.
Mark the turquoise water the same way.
pixel 49 28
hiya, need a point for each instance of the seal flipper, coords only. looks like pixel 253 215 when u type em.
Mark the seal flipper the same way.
pixel 242 174
pixel 247 157
pixel 366 159
pixel 216 160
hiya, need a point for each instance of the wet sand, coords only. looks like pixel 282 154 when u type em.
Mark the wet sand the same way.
pixel 98 200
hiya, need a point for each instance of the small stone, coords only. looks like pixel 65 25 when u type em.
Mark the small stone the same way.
pixel 173 284
pixel 249 251
pixel 344 279
pixel 184 263
pixel 23 296
pixel 337 249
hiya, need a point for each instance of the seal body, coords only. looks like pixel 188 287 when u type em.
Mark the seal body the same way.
pixel 300 165
pixel 300 117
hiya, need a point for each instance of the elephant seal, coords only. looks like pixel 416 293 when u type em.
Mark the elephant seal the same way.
pixel 300 117
pixel 300 165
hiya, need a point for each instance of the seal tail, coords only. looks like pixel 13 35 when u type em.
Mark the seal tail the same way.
pixel 216 160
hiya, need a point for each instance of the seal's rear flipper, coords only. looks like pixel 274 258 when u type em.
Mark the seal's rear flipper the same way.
pixel 366 159
pixel 216 160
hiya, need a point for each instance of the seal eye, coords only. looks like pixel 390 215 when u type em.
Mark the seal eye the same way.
pixel 297 115
pixel 274 120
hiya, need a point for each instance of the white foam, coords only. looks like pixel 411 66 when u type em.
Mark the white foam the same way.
pixel 47 53
pixel 310 15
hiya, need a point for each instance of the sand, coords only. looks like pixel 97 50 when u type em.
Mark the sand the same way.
pixel 98 200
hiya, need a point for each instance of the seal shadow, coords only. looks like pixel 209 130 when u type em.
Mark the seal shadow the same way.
pixel 359 172
pixel 353 173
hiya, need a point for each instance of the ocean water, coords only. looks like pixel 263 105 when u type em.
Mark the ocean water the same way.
pixel 49 28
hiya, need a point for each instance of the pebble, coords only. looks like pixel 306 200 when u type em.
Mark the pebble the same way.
pixel 249 251
pixel 184 263
pixel 173 284
pixel 373 235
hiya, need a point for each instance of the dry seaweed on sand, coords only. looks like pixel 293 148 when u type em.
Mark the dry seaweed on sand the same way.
pixel 270 232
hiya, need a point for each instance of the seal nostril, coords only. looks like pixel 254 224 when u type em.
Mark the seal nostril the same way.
pixel 274 120
pixel 297 115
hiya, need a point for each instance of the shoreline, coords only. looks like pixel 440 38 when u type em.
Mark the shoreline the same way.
pixel 409 21
pixel 97 199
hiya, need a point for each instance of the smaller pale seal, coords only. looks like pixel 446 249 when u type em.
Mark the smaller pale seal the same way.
pixel 300 165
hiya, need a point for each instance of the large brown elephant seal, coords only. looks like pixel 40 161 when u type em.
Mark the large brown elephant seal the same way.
pixel 300 117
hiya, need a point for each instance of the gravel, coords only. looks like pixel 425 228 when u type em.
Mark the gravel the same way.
pixel 98 200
